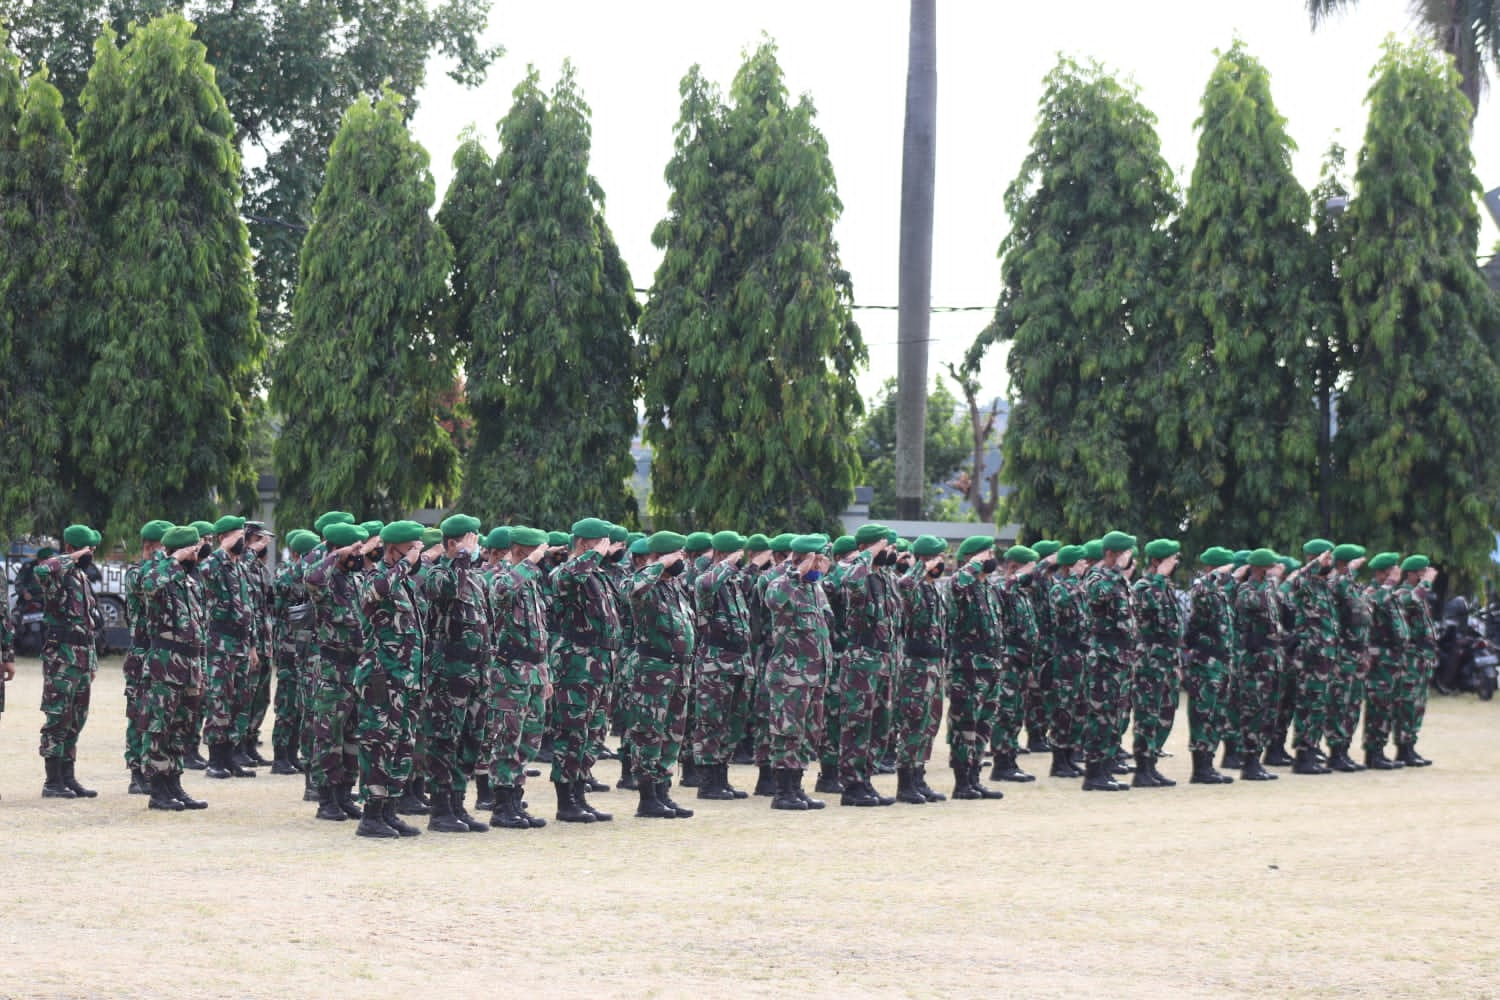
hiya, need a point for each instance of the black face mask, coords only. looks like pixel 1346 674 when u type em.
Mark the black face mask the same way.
pixel 377 553
pixel 989 565
pixel 238 548
pixel 351 564
pixel 84 562
pixel 935 572
pixel 676 568
pixel 204 550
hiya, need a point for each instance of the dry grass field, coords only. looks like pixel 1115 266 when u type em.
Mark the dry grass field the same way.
pixel 1348 885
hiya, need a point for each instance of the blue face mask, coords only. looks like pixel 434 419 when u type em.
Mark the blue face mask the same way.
pixel 813 575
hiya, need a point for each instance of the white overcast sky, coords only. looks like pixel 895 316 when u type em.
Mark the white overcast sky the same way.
pixel 850 56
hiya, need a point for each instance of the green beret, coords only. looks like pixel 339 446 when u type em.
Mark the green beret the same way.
pixel 665 541
pixel 641 546
pixel 178 537
pixel 1384 560
pixel 554 538
pixel 324 520
pixel 528 538
pixel 1093 549
pixel 591 529
pixel 431 536
pixel 401 532
pixel 728 541
pixel 843 545
pixel 459 525
pixel 1289 562
pixel 1348 552
pixel 498 538
pixel 1316 546
pixel 1241 557
pixel 698 541
pixel 203 528
pixel 867 533
pixel 975 544
pixel 1415 564
pixel 618 533
pixel 757 543
pixel 372 528
pixel 339 534
pixel 228 523
pixel 634 536
pixel 783 542
pixel 152 531
pixel 1067 555
pixel 1046 547
pixel 891 536
pixel 80 536
pixel 927 546
pixel 902 545
pixel 1261 558
pixel 1216 556
pixel 46 552
pixel 810 543
pixel 1161 548
pixel 301 541
pixel 1020 555
pixel 1117 541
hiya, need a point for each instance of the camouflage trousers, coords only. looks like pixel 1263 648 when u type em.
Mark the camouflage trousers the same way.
pixel 1207 683
pixel 307 689
pixel 1313 682
pixel 167 716
pixel 918 709
pixel 135 701
pixel 225 693
pixel 832 727
pixel 1259 681
pixel 719 706
pixel 599 722
pixel 335 749
pixel 656 707
pixel 1346 695
pixel 291 694
pixel 580 689
pixel 67 681
pixel 1009 703
pixel 259 699
pixel 973 686
pixel 1411 694
pixel 864 677
pixel 453 722
pixel 794 711
pixel 1288 683
pixel 883 731
pixel 1106 702
pixel 760 712
pixel 1381 685
pixel 384 733
pixel 620 701
pixel 1037 694
pixel 1153 697
pixel 519 711
pixel 1066 704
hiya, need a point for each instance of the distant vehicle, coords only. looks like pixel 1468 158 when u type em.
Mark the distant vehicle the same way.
pixel 24 608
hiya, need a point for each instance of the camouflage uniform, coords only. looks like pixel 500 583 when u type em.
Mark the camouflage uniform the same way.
pixel 1257 624
pixel 175 623
pixel 457 683
pixel 137 738
pixel 293 619
pixel 1389 636
pixel 665 638
pixel 335 594
pixel 872 608
pixel 257 697
pixel 799 626
pixel 585 643
pixel 831 728
pixel 1210 668
pixel 923 670
pixel 1115 649
pixel 975 670
pixel 390 667
pixel 1347 692
pixel 1022 641
pixel 521 657
pixel 7 654
pixel 1421 660
pixel 1071 636
pixel 1158 674
pixel 723 663
pixel 230 640
pixel 1038 701
pixel 68 660
pixel 1317 626
pixel 764 641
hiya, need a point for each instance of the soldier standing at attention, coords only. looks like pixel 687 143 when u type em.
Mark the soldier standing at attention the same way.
pixel 1017 662
pixel 919 687
pixel 7 658
pixel 1070 657
pixel 333 585
pixel 292 618
pixel 975 644
pixel 1116 641
pixel 523 685
pixel 68 659
pixel 136 739
pixel 871 611
pixel 796 667
pixel 1211 644
pixel 1158 674
pixel 1421 657
pixel 1257 623
pixel 1317 622
pixel 723 665
pixel 1039 679
pixel 256 697
pixel 231 649
pixel 1389 637
pixel 1346 693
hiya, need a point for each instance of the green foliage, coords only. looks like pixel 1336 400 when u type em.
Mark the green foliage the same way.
pixel 546 305
pixel 1415 442
pixel 44 249
pixel 162 427
pixel 948 446
pixel 1081 305
pixel 362 376
pixel 1242 428
pixel 750 343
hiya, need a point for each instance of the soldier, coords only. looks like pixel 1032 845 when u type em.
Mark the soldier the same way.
pixel 232 653
pixel 871 610
pixel 136 739
pixel 1389 636
pixel 256 697
pixel 333 586
pixel 494 559
pixel 1257 624
pixel 618 571
pixel 1021 640
pixel 1115 650
pixel 918 707
pixel 638 556
pixel 1211 647
pixel 1037 707
pixel 975 643
pixel 1158 674
pixel 1071 634
pixel 1421 657
pixel 723 664
pixel 796 665
pixel 292 618
pixel 587 617
pixel 1346 692
pixel 68 659
pixel 7 658
pixel 828 780
pixel 457 679
pixel 389 669
pixel 523 685
pixel 1315 613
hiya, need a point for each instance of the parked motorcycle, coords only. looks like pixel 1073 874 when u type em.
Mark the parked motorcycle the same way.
pixel 1467 658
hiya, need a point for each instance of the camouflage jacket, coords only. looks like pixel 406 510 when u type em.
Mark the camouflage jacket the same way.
pixel 393 625
pixel 584 603
pixel 720 598
pixel 929 613
pixel 68 606
pixel 1315 615
pixel 1257 617
pixel 135 601
pixel 1417 611
pixel 1210 626
pixel 1018 618
pixel 1157 613
pixel 620 575
pixel 227 603
pixel 521 619
pixel 259 582
pixel 1110 611
pixel 460 624
pixel 976 622
pixel 664 618
pixel 340 630
pixel 1071 631
pixel 176 622
pixel 872 603
pixel 291 610
pixel 1389 634
pixel 1354 615
pixel 800 627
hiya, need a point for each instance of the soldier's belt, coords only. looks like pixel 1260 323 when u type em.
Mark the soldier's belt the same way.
pixel 593 640
pixel 180 648
pixel 69 637
pixel 724 638
pixel 462 654
pixel 342 657
pixel 296 614
pixel 229 629
pixel 511 651
pixel 917 646
pixel 645 649
pixel 975 646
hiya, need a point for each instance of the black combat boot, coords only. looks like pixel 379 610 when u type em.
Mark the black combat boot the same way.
pixel 174 785
pixel 230 760
pixel 328 805
pixel 442 819
pixel 568 809
pixel 373 824
pixel 1204 772
pixel 886 764
pixel 1376 760
pixel 786 791
pixel 744 753
pixel 309 790
pixel 976 786
pixel 650 806
pixel 858 793
pixel 70 779
pixel 251 747
pixel 906 787
pixel 218 767
pixel 1037 742
pixel 1005 769
pixel 627 772
pixel 1122 763
pixel 1162 781
pixel 192 760
pixel 961 789
pixel 1339 760
pixel 765 783
pixel 798 774
pixel 1408 756
pixel 1062 764
pixel 283 763
pixel 53 787
pixel 393 819
pixel 664 796
pixel 507 813
pixel 1254 771
pixel 691 777
pixel 519 798
pixel 926 789
pixel 161 795
pixel 484 793
pixel 828 781
pixel 724 782
pixel 1306 763
pixel 410 803
pixel 715 785
pixel 1143 776
pixel 1098 776
pixel 456 804
pixel 345 795
pixel 140 784
pixel 1277 756
pixel 240 757
pixel 580 791
pixel 1233 759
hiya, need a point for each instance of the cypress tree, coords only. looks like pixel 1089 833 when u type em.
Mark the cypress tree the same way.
pixel 751 346
pixel 1416 422
pixel 362 374
pixel 162 427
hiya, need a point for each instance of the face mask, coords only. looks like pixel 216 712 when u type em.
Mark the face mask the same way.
pixel 84 562
pixel 935 572
pixel 813 575
pixel 204 550
pixel 351 564
pixel 676 568
pixel 377 553
pixel 989 565
pixel 238 548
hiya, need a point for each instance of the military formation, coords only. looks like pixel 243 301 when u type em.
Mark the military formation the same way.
pixel 404 664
